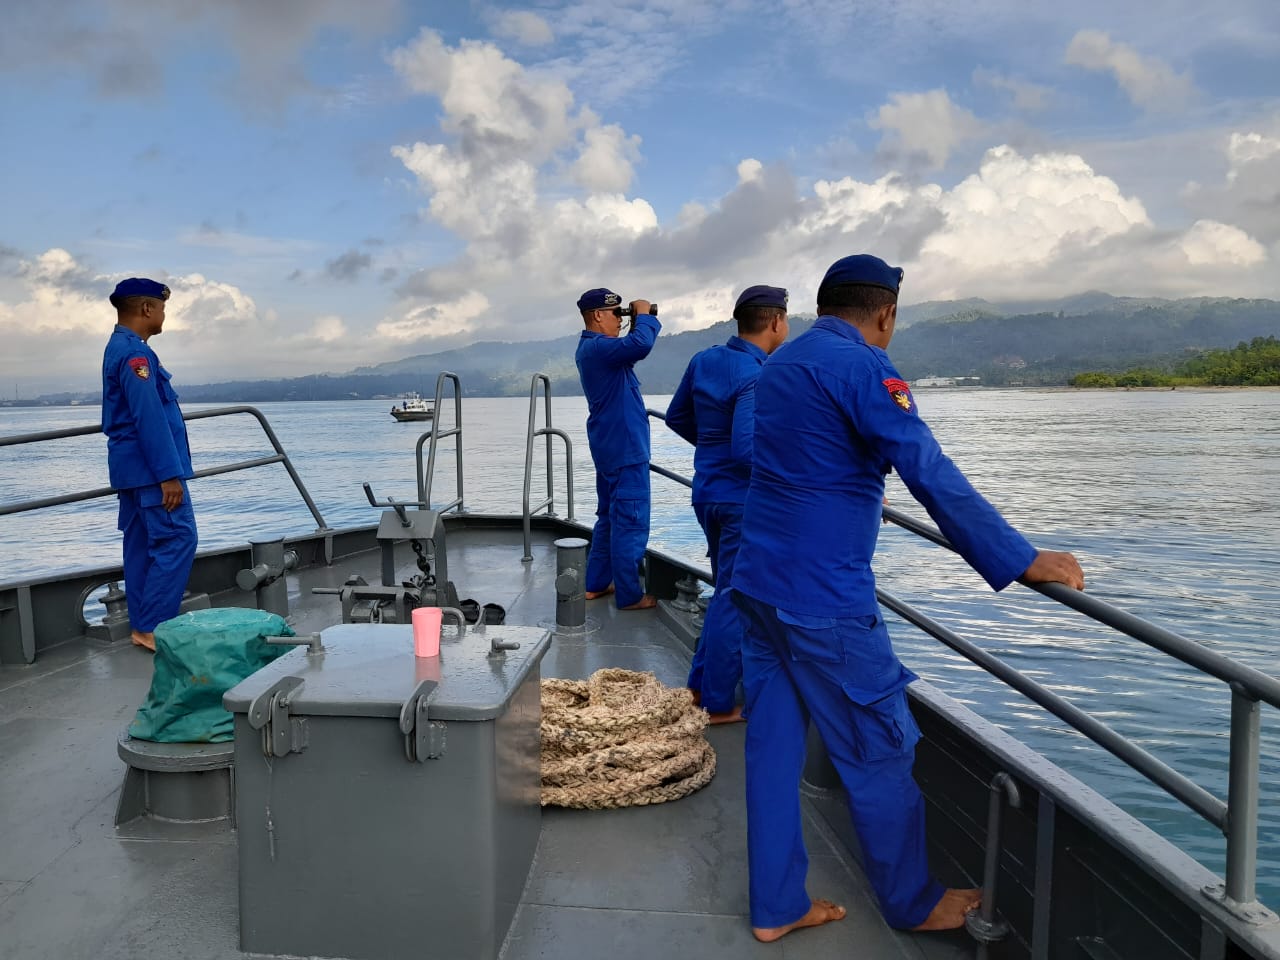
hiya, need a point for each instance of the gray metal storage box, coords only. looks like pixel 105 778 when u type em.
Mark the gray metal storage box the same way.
pixel 359 840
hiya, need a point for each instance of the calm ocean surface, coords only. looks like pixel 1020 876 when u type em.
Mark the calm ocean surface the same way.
pixel 1170 499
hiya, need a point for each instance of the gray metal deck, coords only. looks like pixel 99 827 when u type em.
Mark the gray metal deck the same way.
pixel 636 883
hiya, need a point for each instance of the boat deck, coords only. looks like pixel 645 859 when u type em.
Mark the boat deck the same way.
pixel 622 884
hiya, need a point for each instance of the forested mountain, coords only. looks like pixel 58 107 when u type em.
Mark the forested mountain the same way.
pixel 1049 348
pixel 1024 343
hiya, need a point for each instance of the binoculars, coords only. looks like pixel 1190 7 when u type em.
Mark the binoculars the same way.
pixel 626 311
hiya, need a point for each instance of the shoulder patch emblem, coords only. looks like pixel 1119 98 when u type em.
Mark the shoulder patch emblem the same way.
pixel 900 392
pixel 140 368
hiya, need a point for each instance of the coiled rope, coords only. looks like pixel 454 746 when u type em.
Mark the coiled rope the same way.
pixel 621 739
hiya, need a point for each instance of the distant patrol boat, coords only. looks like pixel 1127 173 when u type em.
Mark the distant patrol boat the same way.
pixel 413 407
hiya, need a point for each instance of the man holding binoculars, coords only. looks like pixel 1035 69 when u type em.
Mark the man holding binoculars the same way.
pixel 618 434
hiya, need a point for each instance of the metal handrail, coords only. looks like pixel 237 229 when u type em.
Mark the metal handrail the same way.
pixel 1237 818
pixel 663 471
pixel 434 435
pixel 1256 683
pixel 548 431
pixel 22 506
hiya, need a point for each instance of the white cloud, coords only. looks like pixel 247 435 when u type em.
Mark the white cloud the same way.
pixel 1218 244
pixel 605 161
pixel 517 142
pixel 1148 81
pixel 1249 194
pixel 749 170
pixel 524 27
pixel 327 329
pixel 533 187
pixel 497 108
pixel 1034 226
pixel 1027 96
pixel 1016 211
pixel 1245 149
pixel 55 306
pixel 425 321
pixel 924 125
pixel 59 308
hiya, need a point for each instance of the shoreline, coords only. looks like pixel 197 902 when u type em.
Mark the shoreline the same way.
pixel 1051 388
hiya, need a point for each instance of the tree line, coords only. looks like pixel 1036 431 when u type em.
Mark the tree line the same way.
pixel 1255 363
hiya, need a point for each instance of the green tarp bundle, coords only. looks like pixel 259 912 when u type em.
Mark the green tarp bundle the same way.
pixel 201 655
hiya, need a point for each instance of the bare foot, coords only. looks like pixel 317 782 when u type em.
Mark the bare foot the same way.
pixel 820 912
pixel 644 603
pixel 597 594
pixel 949 912
pixel 731 716
pixel 145 640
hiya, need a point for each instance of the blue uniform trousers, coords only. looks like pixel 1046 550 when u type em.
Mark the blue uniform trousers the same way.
pixel 159 547
pixel 842 674
pixel 717 662
pixel 621 533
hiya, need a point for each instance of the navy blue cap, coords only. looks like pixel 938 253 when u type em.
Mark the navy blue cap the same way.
pixel 864 270
pixel 138 287
pixel 600 298
pixel 762 296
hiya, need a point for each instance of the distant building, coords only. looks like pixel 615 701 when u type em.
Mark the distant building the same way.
pixel 947 382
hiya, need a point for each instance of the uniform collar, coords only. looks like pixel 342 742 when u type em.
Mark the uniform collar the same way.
pixel 746 346
pixel 841 327
pixel 120 328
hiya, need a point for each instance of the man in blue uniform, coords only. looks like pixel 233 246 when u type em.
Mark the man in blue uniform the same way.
pixel 714 409
pixel 148 459
pixel 618 434
pixel 832 418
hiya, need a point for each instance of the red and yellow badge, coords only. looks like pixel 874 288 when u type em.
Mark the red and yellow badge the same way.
pixel 900 392
pixel 140 368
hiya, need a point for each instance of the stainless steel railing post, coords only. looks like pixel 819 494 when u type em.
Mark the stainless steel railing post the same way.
pixel 1242 797
pixel 528 509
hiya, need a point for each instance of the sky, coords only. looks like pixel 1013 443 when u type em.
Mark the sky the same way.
pixel 327 184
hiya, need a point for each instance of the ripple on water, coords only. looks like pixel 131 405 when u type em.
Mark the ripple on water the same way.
pixel 1168 498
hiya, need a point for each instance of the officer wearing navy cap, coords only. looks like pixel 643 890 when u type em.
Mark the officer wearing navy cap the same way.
pixel 832 418
pixel 714 409
pixel 149 460
pixel 618 434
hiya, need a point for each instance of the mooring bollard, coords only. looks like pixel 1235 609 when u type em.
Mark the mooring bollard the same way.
pixel 571 582
pixel 266 577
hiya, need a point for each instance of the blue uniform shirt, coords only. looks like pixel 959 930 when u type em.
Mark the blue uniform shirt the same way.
pixel 714 409
pixel 617 425
pixel 146 435
pixel 832 417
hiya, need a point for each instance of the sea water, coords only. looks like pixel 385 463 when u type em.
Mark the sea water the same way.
pixel 1170 499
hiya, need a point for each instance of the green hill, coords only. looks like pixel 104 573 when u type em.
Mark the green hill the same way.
pixel 1040 343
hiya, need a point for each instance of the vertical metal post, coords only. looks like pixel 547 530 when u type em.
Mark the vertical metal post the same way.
pixel 548 431
pixel 1242 797
pixel 571 580
pixel 551 490
pixel 984 926
pixel 388 562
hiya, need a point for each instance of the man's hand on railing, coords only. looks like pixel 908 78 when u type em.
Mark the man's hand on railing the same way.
pixel 1053 566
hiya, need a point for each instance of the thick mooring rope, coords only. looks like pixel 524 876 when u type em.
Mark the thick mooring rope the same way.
pixel 621 739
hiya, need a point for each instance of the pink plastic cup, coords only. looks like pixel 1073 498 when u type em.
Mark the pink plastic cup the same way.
pixel 426 631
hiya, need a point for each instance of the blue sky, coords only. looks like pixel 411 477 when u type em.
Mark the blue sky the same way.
pixel 328 184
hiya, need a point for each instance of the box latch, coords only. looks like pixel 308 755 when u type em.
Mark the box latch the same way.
pixel 269 712
pixel 423 738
